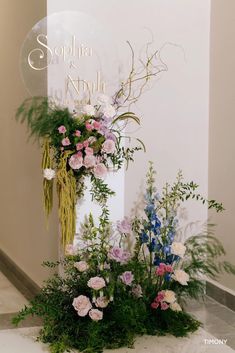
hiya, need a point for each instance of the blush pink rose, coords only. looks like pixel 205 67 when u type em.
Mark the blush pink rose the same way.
pixel 119 255
pixel 77 133
pixel 82 305
pixel 100 171
pixel 127 278
pixel 96 283
pixel 79 146
pixel 75 161
pixel 164 306
pixel 81 266
pixel 160 296
pixel 96 314
pixel 108 146
pixel 89 150
pixel 102 302
pixel 62 129
pixel 89 161
pixel 66 141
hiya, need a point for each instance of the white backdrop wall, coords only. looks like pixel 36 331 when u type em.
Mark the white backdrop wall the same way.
pixel 174 113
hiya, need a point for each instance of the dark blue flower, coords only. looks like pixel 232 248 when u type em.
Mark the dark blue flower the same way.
pixel 166 249
pixel 167 277
pixel 144 238
pixel 157 261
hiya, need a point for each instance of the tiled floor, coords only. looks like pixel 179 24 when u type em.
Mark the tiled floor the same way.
pixel 218 323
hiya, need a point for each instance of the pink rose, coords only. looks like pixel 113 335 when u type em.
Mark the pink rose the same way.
pixel 164 306
pixel 108 146
pixel 169 268
pixel 154 305
pixel 100 171
pixel 89 150
pixel 160 271
pixel 75 161
pixel 124 226
pixel 66 141
pixel 77 133
pixel 118 254
pixel 82 305
pixel 127 278
pixel 160 296
pixel 85 144
pixel 81 266
pixel 102 302
pixel 96 283
pixel 97 125
pixel 79 146
pixel 62 129
pixel 89 161
pixel 89 126
pixel 96 314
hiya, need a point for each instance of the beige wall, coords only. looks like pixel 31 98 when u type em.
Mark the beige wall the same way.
pixel 222 124
pixel 23 235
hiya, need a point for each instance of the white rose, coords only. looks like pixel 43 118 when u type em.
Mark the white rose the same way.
pixel 181 276
pixel 178 249
pixel 49 173
pixel 88 110
pixel 102 99
pixel 175 307
pixel 81 266
pixel 108 111
pixel 169 296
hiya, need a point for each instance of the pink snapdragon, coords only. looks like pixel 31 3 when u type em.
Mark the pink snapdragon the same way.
pixel 66 141
pixel 62 129
pixel 127 278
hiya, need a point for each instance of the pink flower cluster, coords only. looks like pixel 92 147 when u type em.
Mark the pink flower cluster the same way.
pixel 159 301
pixel 119 255
pixel 163 269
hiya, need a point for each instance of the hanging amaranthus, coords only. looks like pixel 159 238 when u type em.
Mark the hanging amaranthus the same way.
pixel 47 184
pixel 66 188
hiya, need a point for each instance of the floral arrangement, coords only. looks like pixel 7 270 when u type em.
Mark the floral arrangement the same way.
pixel 112 291
pixel 87 142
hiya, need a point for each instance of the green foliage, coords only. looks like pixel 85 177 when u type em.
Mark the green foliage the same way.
pixel 100 191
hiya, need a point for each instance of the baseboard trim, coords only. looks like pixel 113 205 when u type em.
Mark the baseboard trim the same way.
pixel 220 294
pixel 18 277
